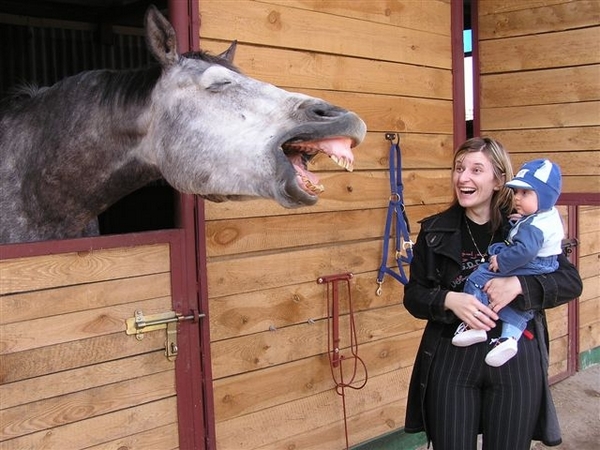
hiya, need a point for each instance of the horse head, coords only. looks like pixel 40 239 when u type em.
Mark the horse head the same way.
pixel 218 133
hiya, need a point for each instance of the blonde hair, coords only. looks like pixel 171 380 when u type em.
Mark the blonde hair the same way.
pixel 502 199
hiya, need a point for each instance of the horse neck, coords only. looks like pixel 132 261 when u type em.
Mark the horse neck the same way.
pixel 102 176
pixel 85 158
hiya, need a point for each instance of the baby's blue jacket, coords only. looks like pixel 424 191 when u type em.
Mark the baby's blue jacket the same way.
pixel 533 236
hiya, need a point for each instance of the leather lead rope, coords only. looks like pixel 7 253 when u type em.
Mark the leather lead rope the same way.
pixel 336 359
pixel 396 215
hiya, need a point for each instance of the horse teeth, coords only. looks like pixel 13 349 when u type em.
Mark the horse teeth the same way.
pixel 342 162
pixel 310 186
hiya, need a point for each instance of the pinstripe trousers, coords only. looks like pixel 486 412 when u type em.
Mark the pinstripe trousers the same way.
pixel 465 397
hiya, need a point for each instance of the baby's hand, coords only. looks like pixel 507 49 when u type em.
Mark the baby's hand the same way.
pixel 494 263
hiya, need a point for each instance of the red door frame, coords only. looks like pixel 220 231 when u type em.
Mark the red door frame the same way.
pixel 195 399
pixel 195 403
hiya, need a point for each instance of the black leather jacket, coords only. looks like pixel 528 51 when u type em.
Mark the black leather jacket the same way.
pixel 436 262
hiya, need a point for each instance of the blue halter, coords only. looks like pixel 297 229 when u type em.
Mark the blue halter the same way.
pixel 396 209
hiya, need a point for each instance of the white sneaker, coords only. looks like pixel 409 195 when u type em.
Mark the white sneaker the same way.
pixel 465 336
pixel 504 349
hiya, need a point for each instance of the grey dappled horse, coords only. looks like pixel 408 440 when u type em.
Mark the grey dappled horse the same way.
pixel 69 151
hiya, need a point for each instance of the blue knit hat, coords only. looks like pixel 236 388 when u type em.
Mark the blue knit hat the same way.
pixel 542 176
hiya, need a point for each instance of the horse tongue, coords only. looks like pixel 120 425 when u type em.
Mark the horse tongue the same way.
pixel 338 149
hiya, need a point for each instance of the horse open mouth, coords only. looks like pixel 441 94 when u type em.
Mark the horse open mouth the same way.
pixel 301 152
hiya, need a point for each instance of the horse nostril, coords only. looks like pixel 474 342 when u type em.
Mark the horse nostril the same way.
pixel 325 111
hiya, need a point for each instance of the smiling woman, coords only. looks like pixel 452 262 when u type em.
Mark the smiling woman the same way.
pixel 453 378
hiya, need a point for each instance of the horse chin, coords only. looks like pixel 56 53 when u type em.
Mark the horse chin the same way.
pixel 226 198
pixel 295 199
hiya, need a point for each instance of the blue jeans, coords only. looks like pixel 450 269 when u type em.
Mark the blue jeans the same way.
pixel 483 274
pixel 509 315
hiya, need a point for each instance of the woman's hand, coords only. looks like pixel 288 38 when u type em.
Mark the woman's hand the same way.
pixel 471 311
pixel 501 291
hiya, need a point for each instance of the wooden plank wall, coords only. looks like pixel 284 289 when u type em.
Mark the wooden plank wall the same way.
pixel 69 375
pixel 540 66
pixel 390 62
pixel 540 96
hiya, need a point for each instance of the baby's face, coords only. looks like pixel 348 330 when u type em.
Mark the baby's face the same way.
pixel 526 201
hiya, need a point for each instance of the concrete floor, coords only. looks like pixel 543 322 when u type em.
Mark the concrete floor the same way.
pixel 577 401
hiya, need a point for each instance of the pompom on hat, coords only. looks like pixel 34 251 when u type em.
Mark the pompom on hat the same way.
pixel 541 176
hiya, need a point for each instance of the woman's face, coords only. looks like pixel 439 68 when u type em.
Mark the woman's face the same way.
pixel 474 181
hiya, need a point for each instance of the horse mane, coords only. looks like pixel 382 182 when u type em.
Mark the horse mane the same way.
pixel 130 87
pixel 134 86
pixel 25 90
pixel 210 58
pixel 19 94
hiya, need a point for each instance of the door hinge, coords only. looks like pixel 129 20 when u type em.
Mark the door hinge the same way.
pixel 139 324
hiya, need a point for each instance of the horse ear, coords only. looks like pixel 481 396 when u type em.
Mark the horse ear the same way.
pixel 230 52
pixel 160 37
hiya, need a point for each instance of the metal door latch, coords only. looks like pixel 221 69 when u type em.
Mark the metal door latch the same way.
pixel 568 245
pixel 139 324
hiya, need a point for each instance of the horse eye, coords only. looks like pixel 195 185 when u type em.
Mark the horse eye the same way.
pixel 218 86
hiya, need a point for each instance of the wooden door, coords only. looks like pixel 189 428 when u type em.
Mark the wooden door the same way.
pixel 70 376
